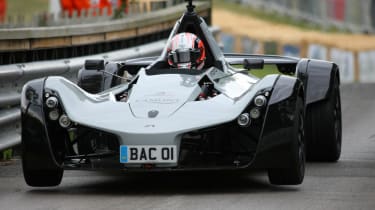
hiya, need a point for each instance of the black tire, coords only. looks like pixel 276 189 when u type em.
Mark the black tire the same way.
pixel 36 177
pixel 296 173
pixel 324 131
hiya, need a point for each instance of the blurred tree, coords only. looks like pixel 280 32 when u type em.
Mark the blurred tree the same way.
pixel 122 8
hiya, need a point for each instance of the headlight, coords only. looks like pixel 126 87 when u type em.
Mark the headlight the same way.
pixel 54 114
pixel 52 102
pixel 260 100
pixel 64 121
pixel 255 113
pixel 243 120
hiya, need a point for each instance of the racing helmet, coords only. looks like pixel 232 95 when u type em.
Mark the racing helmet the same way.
pixel 186 51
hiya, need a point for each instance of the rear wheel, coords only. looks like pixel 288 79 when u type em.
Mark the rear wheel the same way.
pixel 324 130
pixel 295 174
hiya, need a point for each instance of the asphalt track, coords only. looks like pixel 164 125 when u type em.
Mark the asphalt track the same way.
pixel 347 184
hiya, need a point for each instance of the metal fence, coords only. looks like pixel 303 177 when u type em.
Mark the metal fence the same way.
pixel 352 15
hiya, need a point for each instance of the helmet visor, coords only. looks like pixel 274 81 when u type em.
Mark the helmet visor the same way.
pixel 181 56
pixel 184 55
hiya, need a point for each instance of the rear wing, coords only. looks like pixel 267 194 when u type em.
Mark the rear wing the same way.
pixel 285 64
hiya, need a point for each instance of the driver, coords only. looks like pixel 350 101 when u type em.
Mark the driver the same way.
pixel 186 51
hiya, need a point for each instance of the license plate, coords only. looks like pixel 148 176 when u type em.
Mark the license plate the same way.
pixel 148 154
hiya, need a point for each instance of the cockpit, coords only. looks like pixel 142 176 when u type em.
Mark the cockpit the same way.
pixel 189 23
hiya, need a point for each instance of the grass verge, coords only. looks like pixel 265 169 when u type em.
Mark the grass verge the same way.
pixel 26 8
pixel 6 154
pixel 268 69
pixel 271 17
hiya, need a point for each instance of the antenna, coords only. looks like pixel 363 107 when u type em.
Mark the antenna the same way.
pixel 190 7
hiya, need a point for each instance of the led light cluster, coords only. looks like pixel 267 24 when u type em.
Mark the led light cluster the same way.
pixel 244 120
pixel 54 114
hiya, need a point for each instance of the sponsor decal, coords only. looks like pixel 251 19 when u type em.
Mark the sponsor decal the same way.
pixel 159 98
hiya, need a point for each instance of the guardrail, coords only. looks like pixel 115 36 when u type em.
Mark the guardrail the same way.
pixel 20 45
pixel 13 77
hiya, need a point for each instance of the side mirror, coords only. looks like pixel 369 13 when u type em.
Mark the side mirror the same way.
pixel 94 65
pixel 253 63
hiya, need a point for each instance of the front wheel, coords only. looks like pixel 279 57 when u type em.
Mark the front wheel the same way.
pixel 38 164
pixel 293 175
pixel 39 177
pixel 43 178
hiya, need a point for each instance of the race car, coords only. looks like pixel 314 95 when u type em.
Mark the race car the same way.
pixel 191 108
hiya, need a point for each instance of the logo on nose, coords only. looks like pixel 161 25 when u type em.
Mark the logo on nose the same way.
pixel 153 113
